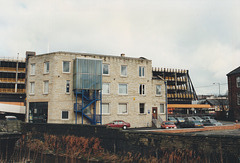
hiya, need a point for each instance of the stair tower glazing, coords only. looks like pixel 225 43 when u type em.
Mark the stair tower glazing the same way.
pixel 87 86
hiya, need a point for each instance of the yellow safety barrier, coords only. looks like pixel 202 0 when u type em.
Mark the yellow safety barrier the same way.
pixel 11 90
pixel 12 80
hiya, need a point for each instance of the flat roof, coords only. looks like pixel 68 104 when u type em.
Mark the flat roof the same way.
pixel 90 54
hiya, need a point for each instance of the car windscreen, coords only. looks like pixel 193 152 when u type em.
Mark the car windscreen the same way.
pixel 180 118
pixel 169 123
pixel 11 119
pixel 196 121
pixel 213 121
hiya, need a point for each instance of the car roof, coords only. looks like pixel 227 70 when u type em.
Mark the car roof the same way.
pixel 9 116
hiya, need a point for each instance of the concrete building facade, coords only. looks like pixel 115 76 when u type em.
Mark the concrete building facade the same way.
pixel 129 91
pixel 12 87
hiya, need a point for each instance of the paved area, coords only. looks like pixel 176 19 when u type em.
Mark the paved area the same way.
pixel 228 128
pixel 221 132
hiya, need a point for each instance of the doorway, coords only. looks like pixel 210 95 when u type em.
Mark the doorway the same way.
pixel 38 112
pixel 154 112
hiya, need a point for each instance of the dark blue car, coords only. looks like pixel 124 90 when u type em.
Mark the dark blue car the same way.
pixel 191 124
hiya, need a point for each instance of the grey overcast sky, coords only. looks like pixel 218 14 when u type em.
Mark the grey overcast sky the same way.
pixel 202 36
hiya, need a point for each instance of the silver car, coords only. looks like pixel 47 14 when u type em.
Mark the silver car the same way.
pixel 197 118
pixel 189 119
pixel 211 122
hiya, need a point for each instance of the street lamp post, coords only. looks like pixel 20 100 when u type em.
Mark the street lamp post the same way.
pixel 218 88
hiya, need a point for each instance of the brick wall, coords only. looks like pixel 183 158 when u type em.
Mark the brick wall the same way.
pixel 234 109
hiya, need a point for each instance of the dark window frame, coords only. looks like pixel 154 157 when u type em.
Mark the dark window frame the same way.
pixel 141 108
pixel 65 115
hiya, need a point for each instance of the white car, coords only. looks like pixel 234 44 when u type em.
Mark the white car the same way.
pixel 10 118
pixel 197 118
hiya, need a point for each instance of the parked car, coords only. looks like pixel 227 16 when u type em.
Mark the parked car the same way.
pixel 211 122
pixel 191 124
pixel 180 120
pixel 197 118
pixel 10 118
pixel 119 124
pixel 206 117
pixel 168 124
pixel 172 119
pixel 188 119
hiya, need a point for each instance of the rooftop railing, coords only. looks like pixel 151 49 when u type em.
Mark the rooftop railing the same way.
pixel 13 59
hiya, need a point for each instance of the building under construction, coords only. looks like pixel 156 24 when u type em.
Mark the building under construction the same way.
pixel 180 90
pixel 12 87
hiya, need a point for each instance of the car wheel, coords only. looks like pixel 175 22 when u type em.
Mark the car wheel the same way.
pixel 124 127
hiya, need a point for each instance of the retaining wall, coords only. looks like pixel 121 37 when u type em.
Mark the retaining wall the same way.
pixel 10 126
pixel 213 147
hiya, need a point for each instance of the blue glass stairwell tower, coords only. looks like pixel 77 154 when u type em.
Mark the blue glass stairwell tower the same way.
pixel 87 86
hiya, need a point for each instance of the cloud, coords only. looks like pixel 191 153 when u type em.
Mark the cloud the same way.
pixel 201 36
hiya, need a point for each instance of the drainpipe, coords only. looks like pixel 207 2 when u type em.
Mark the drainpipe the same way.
pixel 165 82
pixel 16 84
pixel 76 111
pixel 166 98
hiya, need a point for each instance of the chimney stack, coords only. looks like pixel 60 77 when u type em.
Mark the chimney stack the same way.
pixel 30 53
pixel 122 55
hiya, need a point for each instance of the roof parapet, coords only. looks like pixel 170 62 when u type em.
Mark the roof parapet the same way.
pixel 12 59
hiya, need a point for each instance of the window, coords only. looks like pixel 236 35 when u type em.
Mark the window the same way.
pixel 122 108
pixel 32 87
pixel 141 71
pixel 141 108
pixel 32 69
pixel 67 86
pixel 238 82
pixel 66 67
pixel 65 115
pixel 122 89
pixel 105 88
pixel 45 87
pixel 123 70
pixel 238 99
pixel 158 89
pixel 105 108
pixel 142 89
pixel 162 109
pixel 46 67
pixel 105 69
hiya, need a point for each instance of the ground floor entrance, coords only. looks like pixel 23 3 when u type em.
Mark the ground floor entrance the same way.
pixel 38 112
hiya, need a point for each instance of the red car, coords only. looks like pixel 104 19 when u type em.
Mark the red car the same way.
pixel 168 124
pixel 119 124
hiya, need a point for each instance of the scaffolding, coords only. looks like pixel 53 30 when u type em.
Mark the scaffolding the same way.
pixel 87 86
